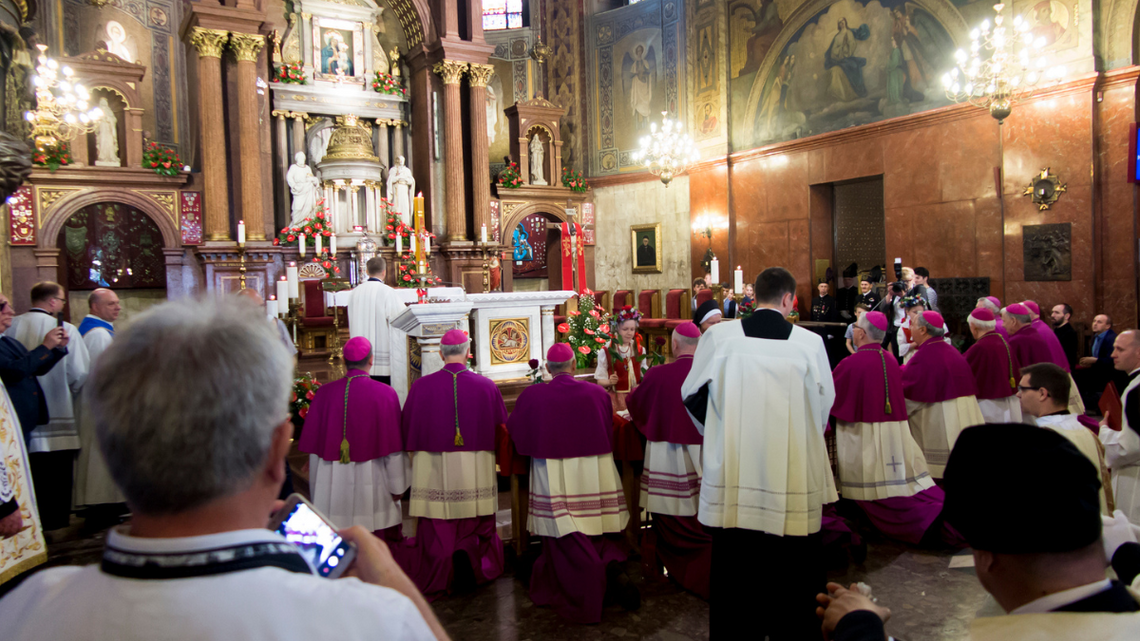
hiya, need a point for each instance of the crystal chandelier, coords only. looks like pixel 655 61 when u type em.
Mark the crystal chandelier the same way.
pixel 1003 66
pixel 667 151
pixel 62 110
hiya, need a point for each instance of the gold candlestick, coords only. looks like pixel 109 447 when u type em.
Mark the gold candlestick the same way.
pixel 486 267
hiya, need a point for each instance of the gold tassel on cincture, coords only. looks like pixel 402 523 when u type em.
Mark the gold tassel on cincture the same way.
pixel 455 400
pixel 888 406
pixel 344 458
pixel 458 439
pixel 1012 383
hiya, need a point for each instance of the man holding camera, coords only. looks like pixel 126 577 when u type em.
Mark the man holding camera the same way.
pixel 201 474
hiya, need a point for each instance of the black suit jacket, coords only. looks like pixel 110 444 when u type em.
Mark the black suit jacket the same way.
pixel 19 369
pixel 1068 338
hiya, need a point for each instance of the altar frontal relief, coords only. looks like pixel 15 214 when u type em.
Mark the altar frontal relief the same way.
pixel 853 63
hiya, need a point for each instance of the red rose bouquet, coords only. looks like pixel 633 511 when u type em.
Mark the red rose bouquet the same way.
pixel 574 180
pixel 291 73
pixel 162 160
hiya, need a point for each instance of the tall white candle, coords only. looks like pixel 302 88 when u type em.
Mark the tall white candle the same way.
pixel 241 232
pixel 282 296
pixel 399 244
pixel 412 240
pixel 714 271
pixel 483 234
pixel 427 245
pixel 271 307
pixel 317 237
pixel 332 245
pixel 294 282
pixel 738 281
pixel 301 245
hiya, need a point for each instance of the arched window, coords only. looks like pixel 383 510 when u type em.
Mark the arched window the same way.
pixel 503 14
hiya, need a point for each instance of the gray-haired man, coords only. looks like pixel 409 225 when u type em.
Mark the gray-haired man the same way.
pixel 196 440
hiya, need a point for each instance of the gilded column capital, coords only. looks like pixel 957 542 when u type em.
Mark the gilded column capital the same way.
pixel 480 74
pixel 209 42
pixel 306 16
pixel 278 113
pixel 451 70
pixel 246 46
pixel 298 115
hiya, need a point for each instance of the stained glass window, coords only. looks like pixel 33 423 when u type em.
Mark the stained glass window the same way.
pixel 502 14
pixel 112 245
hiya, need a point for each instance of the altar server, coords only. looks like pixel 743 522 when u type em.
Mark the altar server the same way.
pixel 880 464
pixel 760 392
pixel 1031 346
pixel 576 499
pixel 449 423
pixel 941 395
pixel 357 467
pixel 995 369
pixel 53 446
pixel 371 309
pixel 1043 391
pixel 1122 449
pixel 671 481
pixel 94 487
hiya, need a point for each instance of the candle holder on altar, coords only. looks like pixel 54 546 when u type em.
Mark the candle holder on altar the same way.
pixel 718 294
pixel 336 350
pixel 485 251
pixel 241 263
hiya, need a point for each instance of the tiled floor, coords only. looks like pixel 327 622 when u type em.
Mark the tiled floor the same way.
pixel 929 600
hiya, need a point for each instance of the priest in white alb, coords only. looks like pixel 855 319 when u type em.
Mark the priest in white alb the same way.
pixel 94 487
pixel 941 395
pixel 372 307
pixel 760 392
pixel 52 447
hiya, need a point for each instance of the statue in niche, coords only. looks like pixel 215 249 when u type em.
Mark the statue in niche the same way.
pixel 536 158
pixel 401 188
pixel 305 188
pixel 107 137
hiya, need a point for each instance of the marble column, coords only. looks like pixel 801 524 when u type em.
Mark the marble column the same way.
pixel 246 48
pixel 454 180
pixel 398 137
pixel 370 222
pixel 299 134
pixel 480 171
pixel 283 161
pixel 382 138
pixel 329 207
pixel 355 204
pixel 337 210
pixel 209 43
pixel 547 312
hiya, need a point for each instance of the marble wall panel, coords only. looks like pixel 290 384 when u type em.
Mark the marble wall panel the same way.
pixel 787 176
pixel 911 173
pixel 618 207
pixel 1048 132
pixel 749 190
pixel 967 153
pixel 851 160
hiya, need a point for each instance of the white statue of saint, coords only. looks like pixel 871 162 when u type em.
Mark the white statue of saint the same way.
pixel 304 186
pixel 401 187
pixel 536 154
pixel 107 137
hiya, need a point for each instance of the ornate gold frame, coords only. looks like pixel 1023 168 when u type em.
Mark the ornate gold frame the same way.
pixel 1044 189
pixel 656 229
pixel 494 325
pixel 357 29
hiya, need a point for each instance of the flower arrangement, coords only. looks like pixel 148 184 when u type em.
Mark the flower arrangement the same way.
pixel 163 160
pixel 304 388
pixel 318 223
pixel 291 73
pixel 389 84
pixel 509 177
pixel 52 156
pixel 393 225
pixel 408 273
pixel 574 180
pixel 587 332
pixel 744 310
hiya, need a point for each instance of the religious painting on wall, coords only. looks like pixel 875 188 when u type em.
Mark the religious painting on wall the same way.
pixel 855 62
pixel 339 49
pixel 500 94
pixel 1048 251
pixel 1053 22
pixel 635 56
pixel 646 249
pixel 528 243
pixel 112 245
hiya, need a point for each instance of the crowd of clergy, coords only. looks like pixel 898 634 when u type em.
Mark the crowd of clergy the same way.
pixel 722 469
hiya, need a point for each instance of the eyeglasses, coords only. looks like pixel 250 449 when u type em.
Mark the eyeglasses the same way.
pixel 62 300
pixel 1023 388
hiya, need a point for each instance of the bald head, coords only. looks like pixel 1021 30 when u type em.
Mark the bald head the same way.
pixel 252 296
pixel 1126 351
pixel 684 345
pixel 104 304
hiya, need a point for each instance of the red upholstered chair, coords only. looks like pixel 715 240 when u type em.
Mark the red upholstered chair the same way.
pixel 677 304
pixel 706 294
pixel 652 325
pixel 317 327
pixel 622 297
pixel 602 298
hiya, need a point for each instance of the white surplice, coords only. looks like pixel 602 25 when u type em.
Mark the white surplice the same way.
pixel 580 494
pixel 1001 410
pixel 879 461
pixel 371 309
pixel 453 485
pixel 936 426
pixel 671 481
pixel 360 493
pixel 1122 455
pixel 60 385
pixel 93 483
pixel 1082 437
pixel 764 458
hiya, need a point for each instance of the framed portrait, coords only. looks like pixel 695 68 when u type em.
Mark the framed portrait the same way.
pixel 646 241
pixel 338 50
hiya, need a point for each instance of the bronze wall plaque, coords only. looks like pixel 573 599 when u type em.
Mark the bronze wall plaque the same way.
pixel 1048 252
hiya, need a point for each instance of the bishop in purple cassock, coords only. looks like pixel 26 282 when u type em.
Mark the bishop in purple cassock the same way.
pixel 880 464
pixel 576 499
pixel 1031 346
pixel 940 393
pixel 993 304
pixel 357 467
pixel 995 369
pixel 671 481
pixel 449 424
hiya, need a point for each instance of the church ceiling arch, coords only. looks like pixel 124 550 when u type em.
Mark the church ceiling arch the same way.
pixel 840 64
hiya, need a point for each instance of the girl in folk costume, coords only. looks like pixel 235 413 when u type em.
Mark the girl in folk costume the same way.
pixel 620 366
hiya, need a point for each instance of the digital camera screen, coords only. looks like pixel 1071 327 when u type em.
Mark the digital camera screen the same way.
pixel 321 546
